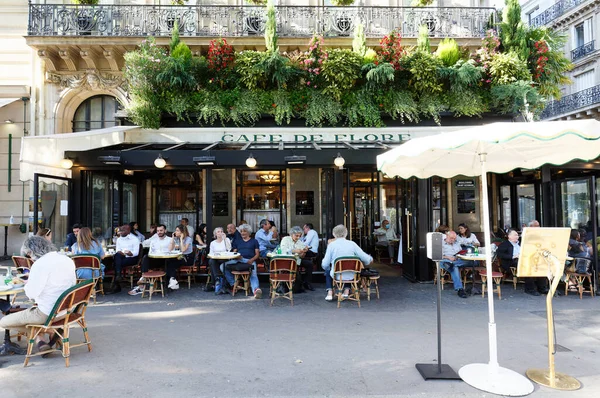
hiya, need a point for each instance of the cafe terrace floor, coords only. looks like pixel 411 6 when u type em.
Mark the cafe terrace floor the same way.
pixel 195 344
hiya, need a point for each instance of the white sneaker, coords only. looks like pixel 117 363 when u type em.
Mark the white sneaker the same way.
pixel 346 293
pixel 142 281
pixel 136 290
pixel 329 296
pixel 173 284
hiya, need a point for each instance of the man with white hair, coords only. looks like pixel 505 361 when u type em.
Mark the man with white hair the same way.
pixel 50 276
pixel 451 263
pixel 340 247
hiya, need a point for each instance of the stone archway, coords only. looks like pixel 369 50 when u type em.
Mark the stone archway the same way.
pixel 78 88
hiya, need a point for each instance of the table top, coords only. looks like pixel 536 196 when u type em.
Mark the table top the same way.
pixel 224 256
pixel 164 255
pixel 12 291
pixel 200 247
pixel 478 257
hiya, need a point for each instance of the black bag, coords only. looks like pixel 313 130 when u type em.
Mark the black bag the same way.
pixel 367 272
pixel 582 265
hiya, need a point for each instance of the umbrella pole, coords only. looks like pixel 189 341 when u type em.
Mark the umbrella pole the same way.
pixel 491 377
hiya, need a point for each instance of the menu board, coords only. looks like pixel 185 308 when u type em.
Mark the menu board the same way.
pixel 220 204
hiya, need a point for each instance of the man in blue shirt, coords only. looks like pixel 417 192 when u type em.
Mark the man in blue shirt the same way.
pixel 72 237
pixel 264 237
pixel 451 263
pixel 311 239
pixel 233 233
pixel 248 249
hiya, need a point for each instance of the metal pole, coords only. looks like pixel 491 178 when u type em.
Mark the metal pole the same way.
pixel 439 316
pixel 9 160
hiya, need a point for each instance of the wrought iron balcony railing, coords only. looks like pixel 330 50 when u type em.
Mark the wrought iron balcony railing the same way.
pixel 237 21
pixel 571 103
pixel 582 51
pixel 552 13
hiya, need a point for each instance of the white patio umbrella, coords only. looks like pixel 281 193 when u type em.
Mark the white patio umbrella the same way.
pixel 498 148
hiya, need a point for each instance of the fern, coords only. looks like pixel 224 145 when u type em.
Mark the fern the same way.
pixel 271 29
pixel 322 109
pixel 378 75
pixel 511 98
pixel 282 107
pixel 399 104
pixel 360 110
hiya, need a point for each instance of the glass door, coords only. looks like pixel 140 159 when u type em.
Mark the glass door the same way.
pixel 574 206
pixel 52 206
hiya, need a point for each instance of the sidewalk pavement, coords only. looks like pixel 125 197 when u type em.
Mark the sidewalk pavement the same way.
pixel 193 343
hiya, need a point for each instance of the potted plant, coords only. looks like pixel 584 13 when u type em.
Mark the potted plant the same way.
pixel 341 3
pixel 85 17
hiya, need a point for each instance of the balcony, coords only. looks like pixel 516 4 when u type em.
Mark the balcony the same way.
pixel 57 20
pixel 552 13
pixel 572 103
pixel 582 51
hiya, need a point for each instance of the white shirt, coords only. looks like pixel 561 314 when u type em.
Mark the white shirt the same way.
pixel 158 245
pixel 220 247
pixel 129 242
pixel 471 240
pixel 50 276
pixel 385 235
pixel 312 239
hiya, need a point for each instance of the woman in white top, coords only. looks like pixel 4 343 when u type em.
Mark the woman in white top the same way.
pixel 180 242
pixel 465 237
pixel 221 244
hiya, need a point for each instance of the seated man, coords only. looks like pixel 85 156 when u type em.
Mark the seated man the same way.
pixel 128 248
pixel 72 237
pixel 384 234
pixel 159 243
pixel 232 233
pixel 248 249
pixel 52 274
pixel 311 239
pixel 451 263
pixel 340 247
pixel 292 244
pixel 264 236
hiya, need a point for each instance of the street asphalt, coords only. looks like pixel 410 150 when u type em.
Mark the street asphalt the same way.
pixel 195 344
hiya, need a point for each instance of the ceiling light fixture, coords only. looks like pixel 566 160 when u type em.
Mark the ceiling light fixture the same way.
pixel 204 160
pixel 339 161
pixel 295 159
pixel 159 162
pixel 66 163
pixel 115 160
pixel 128 172
pixel 251 162
pixel 8 121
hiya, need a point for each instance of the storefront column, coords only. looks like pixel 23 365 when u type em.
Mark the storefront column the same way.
pixel 547 203
pixel 424 226
pixel 338 197
pixel 208 205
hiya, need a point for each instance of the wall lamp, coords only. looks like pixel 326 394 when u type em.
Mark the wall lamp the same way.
pixel 295 159
pixel 205 160
pixel 114 160
pixel 66 163
pixel 160 162
pixel 251 162
pixel 8 121
pixel 339 161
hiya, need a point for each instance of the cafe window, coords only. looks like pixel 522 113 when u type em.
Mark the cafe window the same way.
pixel 261 195
pixel 179 197
pixel 305 203
pixel 96 113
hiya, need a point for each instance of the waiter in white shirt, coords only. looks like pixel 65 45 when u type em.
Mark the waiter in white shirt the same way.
pixel 310 239
pixel 128 248
pixel 51 275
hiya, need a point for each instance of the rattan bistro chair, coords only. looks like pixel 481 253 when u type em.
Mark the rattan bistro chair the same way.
pixel 282 272
pixel 22 263
pixel 91 262
pixel 69 310
pixel 341 267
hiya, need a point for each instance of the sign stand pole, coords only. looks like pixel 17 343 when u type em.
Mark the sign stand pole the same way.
pixel 432 371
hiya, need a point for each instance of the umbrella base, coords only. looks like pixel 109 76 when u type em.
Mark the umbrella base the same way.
pixel 431 371
pixel 561 381
pixel 495 379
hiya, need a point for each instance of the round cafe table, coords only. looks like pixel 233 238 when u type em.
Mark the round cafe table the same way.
pixel 224 256
pixel 164 255
pixel 9 347
pixel 472 257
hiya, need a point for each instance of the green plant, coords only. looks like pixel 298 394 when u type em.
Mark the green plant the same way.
pixel 448 52
pixel 424 70
pixel 506 68
pixel 282 108
pixel 257 2
pixel 547 61
pixel 378 76
pixel 423 39
pixel 271 30
pixel 398 104
pixel 342 2
pixel 248 66
pixel 359 42
pixel 361 110
pixel 179 2
pixel 421 3
pixel 278 70
pixel 85 2
pixel 321 109
pixel 340 70
pixel 512 98
pixel 512 30
pixel 391 50
pixel 370 56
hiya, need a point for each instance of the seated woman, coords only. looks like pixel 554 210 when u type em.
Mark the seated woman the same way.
pixel 576 248
pixel 87 244
pixel 465 237
pixel 221 244
pixel 181 241
pixel 201 235
pixel 293 245
pixel 135 230
pixel 341 247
